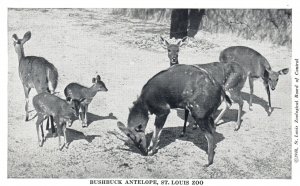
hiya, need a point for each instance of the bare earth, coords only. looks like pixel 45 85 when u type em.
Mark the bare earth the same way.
pixel 126 53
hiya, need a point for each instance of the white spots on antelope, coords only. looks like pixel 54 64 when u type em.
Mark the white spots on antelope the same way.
pixel 158 96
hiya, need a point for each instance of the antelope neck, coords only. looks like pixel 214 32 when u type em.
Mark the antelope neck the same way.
pixel 20 53
pixel 139 112
pixel 91 91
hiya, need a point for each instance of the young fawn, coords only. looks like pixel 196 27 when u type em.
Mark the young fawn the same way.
pixel 77 91
pixel 35 72
pixel 47 105
pixel 230 76
pixel 255 66
pixel 182 86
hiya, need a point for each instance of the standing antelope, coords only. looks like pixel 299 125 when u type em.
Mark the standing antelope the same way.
pixel 256 66
pixel 35 72
pixel 79 92
pixel 47 105
pixel 173 49
pixel 230 76
pixel 181 86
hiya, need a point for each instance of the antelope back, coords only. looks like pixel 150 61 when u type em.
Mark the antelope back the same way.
pixel 253 63
pixel 49 104
pixel 35 72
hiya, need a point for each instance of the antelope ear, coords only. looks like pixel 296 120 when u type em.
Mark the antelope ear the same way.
pixel 98 78
pixel 93 80
pixel 164 42
pixel 81 100
pixel 15 37
pixel 283 71
pixel 69 99
pixel 126 131
pixel 26 37
pixel 183 41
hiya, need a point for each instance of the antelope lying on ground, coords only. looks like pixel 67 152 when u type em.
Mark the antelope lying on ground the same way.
pixel 230 76
pixel 35 72
pixel 181 86
pixel 46 105
pixel 255 66
pixel 79 92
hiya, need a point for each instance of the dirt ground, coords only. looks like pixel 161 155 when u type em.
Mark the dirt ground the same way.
pixel 126 53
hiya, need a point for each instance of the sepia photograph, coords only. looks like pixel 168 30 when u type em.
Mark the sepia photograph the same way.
pixel 149 93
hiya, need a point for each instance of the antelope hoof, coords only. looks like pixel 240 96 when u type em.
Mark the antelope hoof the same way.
pixel 207 165
pixel 70 124
pixel 194 127
pixel 270 110
pixel 152 152
pixel 236 128
pixel 54 134
pixel 41 143
pixel 26 119
pixel 61 147
pixel 84 125
pixel 67 145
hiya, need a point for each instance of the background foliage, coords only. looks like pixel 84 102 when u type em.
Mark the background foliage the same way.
pixel 274 25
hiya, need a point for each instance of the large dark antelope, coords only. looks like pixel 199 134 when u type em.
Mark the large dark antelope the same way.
pixel 35 72
pixel 181 86
pixel 47 105
pixel 255 66
pixel 79 92
pixel 173 52
pixel 230 76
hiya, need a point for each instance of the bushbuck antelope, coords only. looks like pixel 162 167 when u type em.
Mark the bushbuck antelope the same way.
pixel 47 105
pixel 173 49
pixel 230 76
pixel 35 72
pixel 255 66
pixel 79 92
pixel 181 86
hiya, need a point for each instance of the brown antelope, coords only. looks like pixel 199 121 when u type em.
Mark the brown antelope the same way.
pixel 173 49
pixel 255 66
pixel 35 72
pixel 47 105
pixel 230 76
pixel 181 86
pixel 79 92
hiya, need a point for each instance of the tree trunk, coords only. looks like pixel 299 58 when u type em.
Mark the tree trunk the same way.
pixel 195 18
pixel 179 23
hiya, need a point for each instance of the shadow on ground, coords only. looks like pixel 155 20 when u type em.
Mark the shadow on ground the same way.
pixel 230 115
pixel 73 135
pixel 93 117
pixel 170 134
pixel 259 101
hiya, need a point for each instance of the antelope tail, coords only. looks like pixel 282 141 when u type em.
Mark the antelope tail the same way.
pixel 52 77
